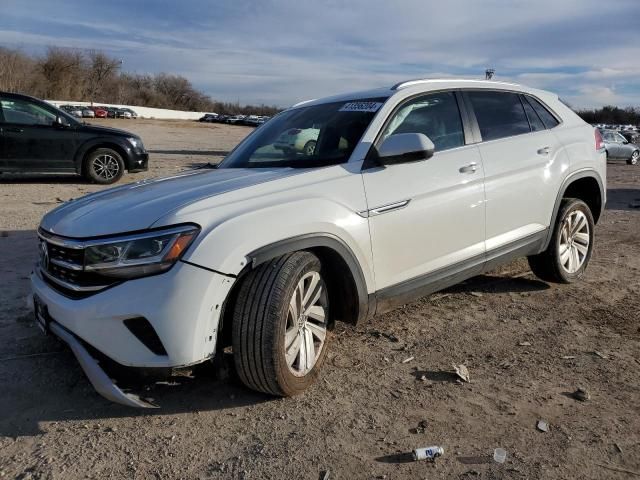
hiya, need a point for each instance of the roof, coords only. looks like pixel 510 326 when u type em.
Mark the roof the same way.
pixel 419 85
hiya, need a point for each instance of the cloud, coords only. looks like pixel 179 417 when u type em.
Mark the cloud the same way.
pixel 284 51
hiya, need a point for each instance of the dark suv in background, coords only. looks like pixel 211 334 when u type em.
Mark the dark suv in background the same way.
pixel 38 137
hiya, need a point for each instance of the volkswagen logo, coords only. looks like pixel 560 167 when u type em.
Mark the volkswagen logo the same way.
pixel 44 256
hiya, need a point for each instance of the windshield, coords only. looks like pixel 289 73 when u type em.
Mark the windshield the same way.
pixel 306 137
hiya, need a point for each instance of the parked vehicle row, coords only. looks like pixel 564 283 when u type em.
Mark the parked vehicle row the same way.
pixel 408 190
pixel 98 112
pixel 247 120
pixel 35 136
pixel 621 145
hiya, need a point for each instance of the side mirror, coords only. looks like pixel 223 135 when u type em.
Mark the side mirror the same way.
pixel 61 122
pixel 404 148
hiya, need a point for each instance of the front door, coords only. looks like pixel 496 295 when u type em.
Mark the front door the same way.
pixel 33 140
pixel 427 215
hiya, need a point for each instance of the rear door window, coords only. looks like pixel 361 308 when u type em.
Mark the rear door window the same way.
pixel 499 114
pixel 545 115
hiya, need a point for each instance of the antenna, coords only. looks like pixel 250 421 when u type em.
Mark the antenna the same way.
pixel 489 73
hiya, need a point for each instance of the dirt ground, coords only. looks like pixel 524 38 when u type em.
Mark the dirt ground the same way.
pixel 527 344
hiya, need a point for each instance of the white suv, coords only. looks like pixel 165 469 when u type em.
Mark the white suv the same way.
pixel 407 190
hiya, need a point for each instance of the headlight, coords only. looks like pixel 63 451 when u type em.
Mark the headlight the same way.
pixel 139 254
pixel 136 142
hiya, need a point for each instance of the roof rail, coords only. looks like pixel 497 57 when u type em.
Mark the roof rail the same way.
pixel 408 83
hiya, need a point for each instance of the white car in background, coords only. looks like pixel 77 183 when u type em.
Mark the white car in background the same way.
pixel 298 140
pixel 409 189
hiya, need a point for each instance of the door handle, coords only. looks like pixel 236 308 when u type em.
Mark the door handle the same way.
pixel 471 168
pixel 14 130
pixel 544 151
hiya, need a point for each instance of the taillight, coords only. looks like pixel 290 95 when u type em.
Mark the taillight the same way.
pixel 599 141
pixel 294 131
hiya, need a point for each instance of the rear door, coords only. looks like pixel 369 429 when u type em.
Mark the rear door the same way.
pixel 523 164
pixel 32 140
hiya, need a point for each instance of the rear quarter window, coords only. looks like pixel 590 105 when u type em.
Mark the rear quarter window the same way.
pixel 545 115
pixel 499 114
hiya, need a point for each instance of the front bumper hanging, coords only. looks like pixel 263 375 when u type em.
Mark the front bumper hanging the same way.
pixel 96 375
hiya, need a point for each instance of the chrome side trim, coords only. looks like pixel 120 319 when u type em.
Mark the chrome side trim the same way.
pixel 98 378
pixel 71 286
pixel 388 208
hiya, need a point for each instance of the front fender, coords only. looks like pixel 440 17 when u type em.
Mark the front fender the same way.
pixel 230 244
pixel 121 145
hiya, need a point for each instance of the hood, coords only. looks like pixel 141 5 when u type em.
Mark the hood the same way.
pixel 137 206
pixel 98 130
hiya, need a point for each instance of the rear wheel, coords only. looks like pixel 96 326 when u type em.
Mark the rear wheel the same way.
pixel 280 320
pixel 635 156
pixel 309 148
pixel 104 166
pixel 569 251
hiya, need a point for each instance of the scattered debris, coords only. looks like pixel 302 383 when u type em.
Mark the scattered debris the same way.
pixel 395 394
pixel 568 357
pixel 462 372
pixel 427 453
pixel 499 455
pixel 542 425
pixel 407 360
pixel 324 475
pixel 59 200
pixel 617 447
pixel 389 336
pixel 524 344
pixel 601 355
pixel 476 294
pixel 421 428
pixel 582 394
pixel 423 378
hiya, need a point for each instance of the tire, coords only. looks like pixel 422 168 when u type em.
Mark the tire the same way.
pixel 104 166
pixel 554 266
pixel 266 327
pixel 635 156
pixel 309 148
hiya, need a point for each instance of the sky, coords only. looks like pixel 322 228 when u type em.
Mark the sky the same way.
pixel 279 52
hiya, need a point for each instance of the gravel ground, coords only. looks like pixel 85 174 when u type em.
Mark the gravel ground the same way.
pixel 528 345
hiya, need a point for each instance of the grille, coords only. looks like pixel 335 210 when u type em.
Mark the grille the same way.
pixel 61 265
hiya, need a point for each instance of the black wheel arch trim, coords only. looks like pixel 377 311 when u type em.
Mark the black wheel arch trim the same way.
pixel 589 173
pixel 119 145
pixel 326 240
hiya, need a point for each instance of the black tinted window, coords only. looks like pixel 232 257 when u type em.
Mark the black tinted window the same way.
pixel 25 113
pixel 499 114
pixel 547 118
pixel 534 119
pixel 437 116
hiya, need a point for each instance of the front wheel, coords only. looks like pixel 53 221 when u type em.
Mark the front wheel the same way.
pixel 104 166
pixel 635 156
pixel 280 321
pixel 569 251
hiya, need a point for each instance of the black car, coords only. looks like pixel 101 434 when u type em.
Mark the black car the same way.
pixel 38 137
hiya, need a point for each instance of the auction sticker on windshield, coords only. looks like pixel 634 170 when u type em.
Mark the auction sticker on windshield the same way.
pixel 361 107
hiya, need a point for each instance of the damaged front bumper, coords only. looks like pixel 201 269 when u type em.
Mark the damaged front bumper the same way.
pixel 96 375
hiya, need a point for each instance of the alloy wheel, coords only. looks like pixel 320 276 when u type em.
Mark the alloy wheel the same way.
pixel 634 157
pixel 106 166
pixel 306 327
pixel 574 241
